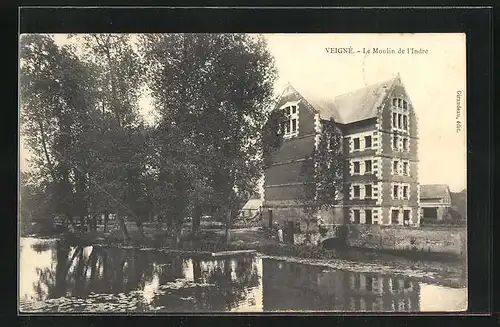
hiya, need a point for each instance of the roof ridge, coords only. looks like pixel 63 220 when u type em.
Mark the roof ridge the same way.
pixel 366 87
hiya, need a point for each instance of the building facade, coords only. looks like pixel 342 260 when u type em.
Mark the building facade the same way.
pixel 435 201
pixel 380 153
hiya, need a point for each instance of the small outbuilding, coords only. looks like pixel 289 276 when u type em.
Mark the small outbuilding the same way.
pixel 435 201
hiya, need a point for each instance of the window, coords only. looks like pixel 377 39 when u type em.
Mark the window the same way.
pixel 394 220
pixel 368 217
pixel 368 166
pixel 407 284
pixel 395 142
pixel 405 144
pixel 368 141
pixel 368 191
pixel 291 123
pixel 395 167
pixel 356 144
pixel 369 284
pixel 405 192
pixel 394 119
pixel 355 189
pixel 395 191
pixel 406 217
pixel 405 168
pixel 405 122
pixel 356 167
pixel 394 102
pixel 405 104
pixel 394 285
pixel 400 103
pixel 356 218
pixel 399 120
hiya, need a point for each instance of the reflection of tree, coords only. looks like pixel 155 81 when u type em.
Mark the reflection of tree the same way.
pixel 78 272
pixel 54 281
pixel 170 269
pixel 104 271
pixel 229 292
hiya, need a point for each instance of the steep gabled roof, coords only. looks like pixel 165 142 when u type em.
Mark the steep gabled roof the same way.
pixel 252 204
pixel 361 104
pixel 351 107
pixel 434 191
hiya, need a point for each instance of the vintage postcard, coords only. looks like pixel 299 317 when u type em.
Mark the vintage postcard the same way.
pixel 188 173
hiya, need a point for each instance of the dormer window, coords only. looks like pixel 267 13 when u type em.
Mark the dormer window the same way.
pixel 400 119
pixel 292 119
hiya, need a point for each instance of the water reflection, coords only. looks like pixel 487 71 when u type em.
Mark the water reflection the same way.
pixel 309 288
pixel 57 277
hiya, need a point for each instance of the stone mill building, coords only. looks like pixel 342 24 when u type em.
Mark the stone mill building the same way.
pixel 380 153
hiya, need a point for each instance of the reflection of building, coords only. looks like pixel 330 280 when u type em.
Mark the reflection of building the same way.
pixel 288 286
pixel 435 201
pixel 370 292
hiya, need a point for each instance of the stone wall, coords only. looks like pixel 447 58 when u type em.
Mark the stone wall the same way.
pixel 444 240
pixel 451 240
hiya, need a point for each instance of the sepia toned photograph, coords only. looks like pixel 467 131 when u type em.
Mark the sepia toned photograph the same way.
pixel 217 173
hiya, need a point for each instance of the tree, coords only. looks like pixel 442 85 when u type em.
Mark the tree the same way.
pixel 121 149
pixel 57 100
pixel 224 79
pixel 272 135
pixel 36 205
pixel 322 174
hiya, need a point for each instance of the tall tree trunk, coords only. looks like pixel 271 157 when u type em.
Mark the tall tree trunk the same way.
pixel 94 223
pixel 46 152
pixel 106 218
pixel 123 227
pixel 196 218
pixel 83 226
pixel 140 227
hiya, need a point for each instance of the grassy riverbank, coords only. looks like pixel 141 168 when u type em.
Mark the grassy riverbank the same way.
pixel 213 240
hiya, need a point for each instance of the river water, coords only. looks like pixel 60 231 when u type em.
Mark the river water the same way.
pixel 59 278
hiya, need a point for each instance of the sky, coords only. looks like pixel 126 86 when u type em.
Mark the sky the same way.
pixel 431 79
